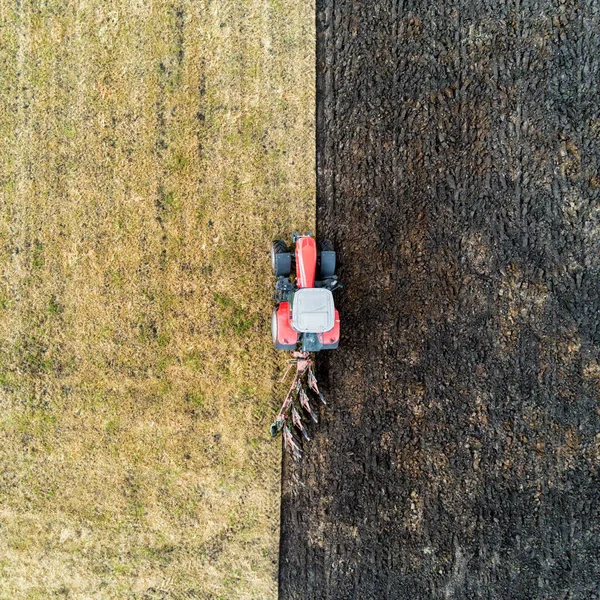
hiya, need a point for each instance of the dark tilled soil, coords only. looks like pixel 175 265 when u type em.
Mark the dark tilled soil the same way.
pixel 458 175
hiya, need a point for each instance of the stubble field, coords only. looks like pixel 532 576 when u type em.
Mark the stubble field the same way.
pixel 151 151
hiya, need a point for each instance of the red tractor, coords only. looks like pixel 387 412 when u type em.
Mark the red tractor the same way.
pixel 305 313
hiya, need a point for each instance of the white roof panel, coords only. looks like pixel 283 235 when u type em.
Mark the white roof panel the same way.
pixel 313 310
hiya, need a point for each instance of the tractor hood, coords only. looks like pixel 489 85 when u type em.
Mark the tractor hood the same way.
pixel 313 310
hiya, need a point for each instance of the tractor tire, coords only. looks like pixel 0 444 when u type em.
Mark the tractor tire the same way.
pixel 274 327
pixel 281 259
pixel 327 260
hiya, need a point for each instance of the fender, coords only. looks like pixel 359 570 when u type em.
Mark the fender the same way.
pixel 287 338
pixel 331 339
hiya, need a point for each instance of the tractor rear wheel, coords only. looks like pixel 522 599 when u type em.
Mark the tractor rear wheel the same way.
pixel 281 259
pixel 274 326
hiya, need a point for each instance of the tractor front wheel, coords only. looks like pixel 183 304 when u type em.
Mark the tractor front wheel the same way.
pixel 326 260
pixel 281 259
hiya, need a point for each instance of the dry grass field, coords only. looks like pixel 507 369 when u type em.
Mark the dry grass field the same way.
pixel 150 152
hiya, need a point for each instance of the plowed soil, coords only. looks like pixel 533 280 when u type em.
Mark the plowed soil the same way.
pixel 458 176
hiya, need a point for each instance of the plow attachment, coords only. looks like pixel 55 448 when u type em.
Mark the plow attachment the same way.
pixel 297 402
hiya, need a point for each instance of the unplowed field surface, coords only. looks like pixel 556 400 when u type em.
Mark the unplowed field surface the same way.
pixel 149 154
pixel 458 175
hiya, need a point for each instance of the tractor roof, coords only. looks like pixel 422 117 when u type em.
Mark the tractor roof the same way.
pixel 313 310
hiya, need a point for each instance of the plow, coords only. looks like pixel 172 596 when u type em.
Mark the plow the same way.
pixel 297 400
pixel 304 322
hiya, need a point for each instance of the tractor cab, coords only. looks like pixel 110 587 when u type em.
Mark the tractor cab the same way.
pixel 312 310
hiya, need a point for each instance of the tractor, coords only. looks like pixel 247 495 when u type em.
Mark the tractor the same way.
pixel 305 314
pixel 304 321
